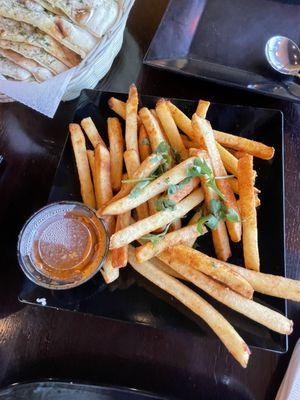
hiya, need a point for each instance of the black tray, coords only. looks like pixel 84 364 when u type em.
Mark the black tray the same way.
pixel 224 41
pixel 132 298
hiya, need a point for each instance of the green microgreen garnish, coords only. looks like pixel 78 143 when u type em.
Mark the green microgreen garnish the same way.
pixel 155 238
pixel 163 203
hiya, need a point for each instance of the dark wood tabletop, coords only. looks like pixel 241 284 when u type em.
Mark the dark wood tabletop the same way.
pixel 39 343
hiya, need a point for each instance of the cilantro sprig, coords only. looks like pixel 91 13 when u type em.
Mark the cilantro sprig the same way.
pixel 163 203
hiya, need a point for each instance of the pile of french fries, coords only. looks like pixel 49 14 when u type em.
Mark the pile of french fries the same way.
pixel 163 167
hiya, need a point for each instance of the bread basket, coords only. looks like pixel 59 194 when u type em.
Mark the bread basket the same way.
pixel 96 65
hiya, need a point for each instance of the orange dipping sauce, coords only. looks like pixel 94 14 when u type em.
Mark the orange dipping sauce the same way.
pixel 63 244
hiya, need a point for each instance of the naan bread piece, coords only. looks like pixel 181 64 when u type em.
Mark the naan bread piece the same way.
pixel 12 70
pixel 66 32
pixel 21 32
pixel 36 54
pixel 41 74
pixel 97 16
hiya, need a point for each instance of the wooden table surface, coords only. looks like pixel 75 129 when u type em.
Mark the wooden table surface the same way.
pixel 38 343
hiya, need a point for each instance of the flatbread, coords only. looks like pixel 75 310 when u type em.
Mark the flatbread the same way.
pixel 41 74
pixel 21 32
pixel 12 70
pixel 67 33
pixel 35 53
pixel 49 7
pixel 97 16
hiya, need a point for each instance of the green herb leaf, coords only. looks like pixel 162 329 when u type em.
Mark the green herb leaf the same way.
pixel 212 222
pixel 211 183
pixel 172 189
pixel 162 148
pixel 146 141
pixel 176 155
pixel 154 239
pixel 163 203
pixel 232 215
pixel 137 189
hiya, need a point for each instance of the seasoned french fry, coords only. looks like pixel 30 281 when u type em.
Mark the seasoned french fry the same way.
pixel 220 272
pixel 131 159
pixel 203 127
pixel 82 163
pixel 248 212
pixel 144 143
pixel 238 154
pixel 226 333
pixel 103 189
pixel 92 132
pixel 187 142
pixel 255 311
pixel 202 108
pixel 257 149
pixel 219 235
pixel 165 268
pixel 150 250
pixel 154 113
pixel 252 147
pixel 170 128
pixel 185 190
pixel 108 272
pixel 161 218
pixel 116 149
pixel 175 225
pixel 120 255
pixel 131 125
pixel 159 185
pixel 91 157
pixel 230 162
pixel 118 106
pixel 152 127
pixel 102 182
pixel 268 284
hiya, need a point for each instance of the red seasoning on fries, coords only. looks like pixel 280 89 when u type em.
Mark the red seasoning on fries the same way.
pixel 176 165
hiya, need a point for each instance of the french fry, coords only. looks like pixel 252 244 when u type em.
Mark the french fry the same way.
pixel 252 147
pixel 150 250
pixel 109 273
pixel 152 127
pixel 131 125
pixel 144 143
pixel 255 311
pixel 230 162
pixel 170 128
pixel 219 235
pixel 175 225
pixel 187 142
pixel 257 149
pixel 185 190
pixel 91 157
pixel 226 333
pixel 202 108
pixel 120 255
pixel 154 113
pixel 219 271
pixel 92 132
pixel 203 127
pixel 82 163
pixel 161 218
pixel 118 106
pixel 102 182
pixel 248 212
pixel 159 185
pixel 116 149
pixel 165 268
pixel 131 159
pixel 238 154
pixel 268 284
pixel 103 189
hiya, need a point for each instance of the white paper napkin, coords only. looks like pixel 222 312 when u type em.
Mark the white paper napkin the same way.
pixel 43 97
pixel 290 385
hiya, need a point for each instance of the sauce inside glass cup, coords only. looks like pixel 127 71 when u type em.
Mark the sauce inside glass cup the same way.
pixel 62 245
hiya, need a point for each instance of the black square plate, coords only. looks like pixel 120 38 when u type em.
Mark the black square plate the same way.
pixel 132 298
pixel 224 41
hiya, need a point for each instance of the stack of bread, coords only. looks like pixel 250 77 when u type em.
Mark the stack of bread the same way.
pixel 41 38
